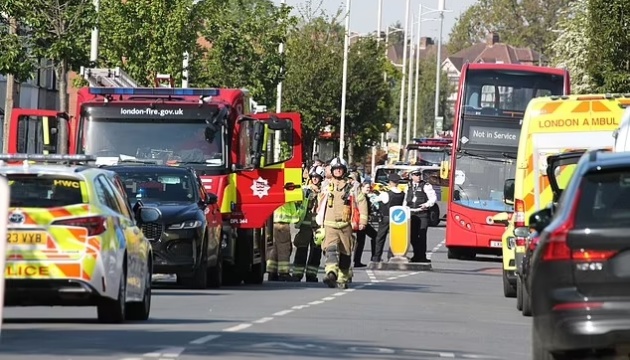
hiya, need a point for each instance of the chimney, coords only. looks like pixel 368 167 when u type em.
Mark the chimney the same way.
pixel 492 38
pixel 425 42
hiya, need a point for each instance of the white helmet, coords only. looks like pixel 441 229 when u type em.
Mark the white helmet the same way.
pixel 339 163
pixel 318 171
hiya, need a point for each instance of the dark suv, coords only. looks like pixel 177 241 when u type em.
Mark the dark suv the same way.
pixel 187 240
pixel 580 269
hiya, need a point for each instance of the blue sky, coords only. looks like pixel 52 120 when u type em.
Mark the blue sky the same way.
pixel 364 13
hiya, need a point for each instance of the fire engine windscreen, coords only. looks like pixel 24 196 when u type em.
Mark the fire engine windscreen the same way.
pixel 160 139
pixel 427 157
pixel 480 185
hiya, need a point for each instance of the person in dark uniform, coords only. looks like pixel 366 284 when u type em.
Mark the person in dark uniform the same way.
pixel 386 199
pixel 419 197
pixel 368 231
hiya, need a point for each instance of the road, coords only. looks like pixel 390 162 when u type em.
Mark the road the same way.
pixel 456 311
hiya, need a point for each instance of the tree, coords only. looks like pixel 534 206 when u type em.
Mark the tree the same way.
pixel 14 57
pixel 608 30
pixel 369 98
pixel 147 38
pixel 313 73
pixel 426 97
pixel 524 23
pixel 245 36
pixel 60 33
pixel 571 48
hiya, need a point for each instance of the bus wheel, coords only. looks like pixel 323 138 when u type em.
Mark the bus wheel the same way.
pixel 434 216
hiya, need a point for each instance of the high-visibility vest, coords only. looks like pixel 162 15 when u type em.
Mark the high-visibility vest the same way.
pixel 286 214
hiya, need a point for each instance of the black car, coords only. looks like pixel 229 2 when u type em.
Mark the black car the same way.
pixel 186 241
pixel 555 164
pixel 580 270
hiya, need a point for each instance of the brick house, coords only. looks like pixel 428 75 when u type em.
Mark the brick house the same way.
pixel 490 51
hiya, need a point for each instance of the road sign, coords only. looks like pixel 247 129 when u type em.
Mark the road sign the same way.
pixel 4 214
pixel 399 230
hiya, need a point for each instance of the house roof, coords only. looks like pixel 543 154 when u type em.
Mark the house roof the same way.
pixel 494 51
pixel 428 48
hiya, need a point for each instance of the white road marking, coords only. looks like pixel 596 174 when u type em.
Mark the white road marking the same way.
pixel 328 298
pixel 339 293
pixel 283 312
pixel 205 339
pixel 263 320
pixel 171 352
pixel 238 327
pixel 435 249
pixel 300 307
pixel 316 302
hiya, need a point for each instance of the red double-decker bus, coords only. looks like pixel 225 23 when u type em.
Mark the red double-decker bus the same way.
pixel 491 102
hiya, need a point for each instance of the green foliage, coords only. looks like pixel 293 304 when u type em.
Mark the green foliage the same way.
pixel 147 38
pixel 57 31
pixel 571 48
pixel 369 97
pixel 524 23
pixel 608 30
pixel 245 37
pixel 314 71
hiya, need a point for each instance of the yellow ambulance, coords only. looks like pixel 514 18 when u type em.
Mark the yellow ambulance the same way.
pixel 551 125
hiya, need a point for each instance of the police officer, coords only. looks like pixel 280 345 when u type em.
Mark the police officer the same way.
pixel 386 199
pixel 419 197
pixel 279 254
pixel 337 203
pixel 304 238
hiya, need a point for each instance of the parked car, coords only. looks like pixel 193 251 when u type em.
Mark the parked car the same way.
pixel 74 239
pixel 580 270
pixel 187 239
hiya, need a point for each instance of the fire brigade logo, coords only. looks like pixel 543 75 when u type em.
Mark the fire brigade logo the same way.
pixel 260 187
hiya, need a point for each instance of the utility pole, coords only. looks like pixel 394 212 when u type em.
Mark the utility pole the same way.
pixel 12 96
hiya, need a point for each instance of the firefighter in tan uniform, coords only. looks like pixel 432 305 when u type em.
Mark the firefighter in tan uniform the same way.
pixel 305 258
pixel 279 254
pixel 338 204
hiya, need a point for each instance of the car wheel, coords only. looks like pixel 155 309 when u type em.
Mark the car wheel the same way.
pixel 111 311
pixel 215 274
pixel 139 311
pixel 519 293
pixel 434 216
pixel 527 305
pixel 509 290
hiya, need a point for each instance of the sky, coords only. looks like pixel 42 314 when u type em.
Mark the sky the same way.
pixel 364 13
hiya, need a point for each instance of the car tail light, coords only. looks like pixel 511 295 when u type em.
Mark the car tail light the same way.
pixel 95 225
pixel 578 306
pixel 519 213
pixel 557 248
pixel 520 241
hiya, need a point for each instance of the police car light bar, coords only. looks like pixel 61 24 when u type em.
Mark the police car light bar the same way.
pixel 154 91
pixel 47 158
pixel 433 140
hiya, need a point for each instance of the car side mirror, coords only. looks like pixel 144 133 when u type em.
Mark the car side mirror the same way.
pixel 148 215
pixel 539 220
pixel 508 191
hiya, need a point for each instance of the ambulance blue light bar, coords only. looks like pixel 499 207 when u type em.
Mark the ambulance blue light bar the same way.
pixel 154 91
pixel 47 158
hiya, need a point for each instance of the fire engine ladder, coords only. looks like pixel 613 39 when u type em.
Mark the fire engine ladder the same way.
pixel 104 77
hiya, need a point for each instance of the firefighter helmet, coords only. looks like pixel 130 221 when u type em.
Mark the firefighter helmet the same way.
pixel 339 163
pixel 318 171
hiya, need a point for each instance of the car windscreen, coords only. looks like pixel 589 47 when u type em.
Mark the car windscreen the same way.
pixel 45 191
pixel 157 186
pixel 604 200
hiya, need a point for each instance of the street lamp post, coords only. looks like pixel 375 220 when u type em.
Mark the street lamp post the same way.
pixel 404 78
pixel 279 89
pixel 344 85
pixel 379 22
pixel 413 51
pixel 437 125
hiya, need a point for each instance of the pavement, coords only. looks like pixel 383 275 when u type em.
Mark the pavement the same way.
pixel 455 311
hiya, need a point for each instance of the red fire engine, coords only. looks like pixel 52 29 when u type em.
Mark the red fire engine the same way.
pixel 428 151
pixel 251 161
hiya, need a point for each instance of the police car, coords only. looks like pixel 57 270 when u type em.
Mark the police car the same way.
pixel 73 239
